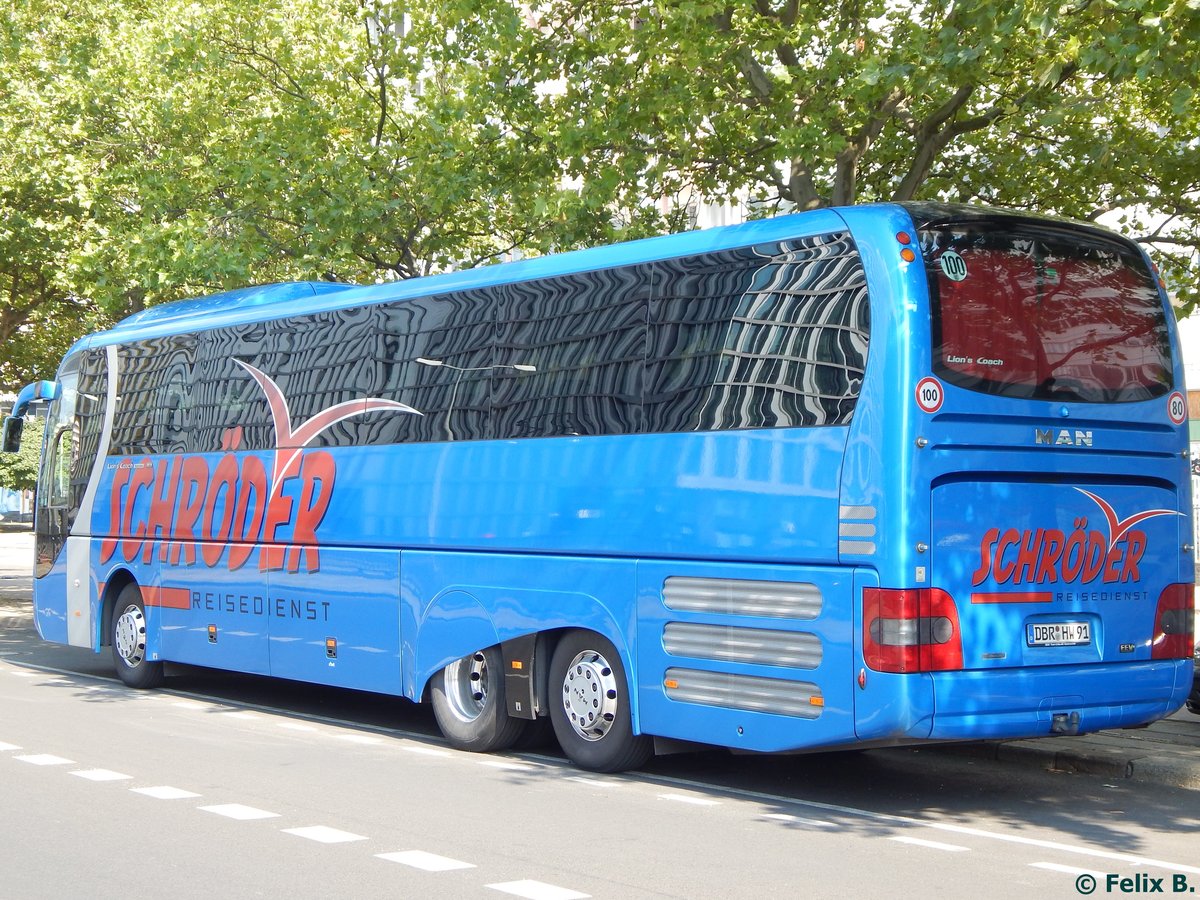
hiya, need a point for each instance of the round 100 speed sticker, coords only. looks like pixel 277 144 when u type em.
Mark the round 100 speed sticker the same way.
pixel 929 394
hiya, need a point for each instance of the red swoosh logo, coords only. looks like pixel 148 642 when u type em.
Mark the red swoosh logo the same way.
pixel 296 440
pixel 1118 527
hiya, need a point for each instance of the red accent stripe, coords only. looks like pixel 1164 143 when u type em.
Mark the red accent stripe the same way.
pixel 1018 597
pixel 172 598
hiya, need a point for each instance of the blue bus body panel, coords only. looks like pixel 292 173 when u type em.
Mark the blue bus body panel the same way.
pixel 1021 702
pixel 752 494
pixel 713 669
pixel 455 603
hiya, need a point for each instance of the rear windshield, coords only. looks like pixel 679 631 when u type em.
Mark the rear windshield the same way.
pixel 1036 311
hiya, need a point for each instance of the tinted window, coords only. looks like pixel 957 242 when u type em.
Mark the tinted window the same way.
pixel 155 377
pixel 585 337
pixel 1032 311
pixel 766 336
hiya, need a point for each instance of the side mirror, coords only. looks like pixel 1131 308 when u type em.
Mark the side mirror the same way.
pixel 10 440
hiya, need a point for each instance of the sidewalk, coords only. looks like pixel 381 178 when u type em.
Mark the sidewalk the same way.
pixel 1167 752
pixel 16 574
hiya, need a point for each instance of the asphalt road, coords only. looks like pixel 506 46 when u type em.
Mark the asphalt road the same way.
pixel 247 787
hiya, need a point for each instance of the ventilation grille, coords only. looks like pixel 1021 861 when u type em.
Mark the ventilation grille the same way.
pixel 800 699
pixel 744 645
pixel 772 599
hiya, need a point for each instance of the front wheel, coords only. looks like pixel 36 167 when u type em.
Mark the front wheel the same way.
pixel 469 704
pixel 589 705
pixel 128 639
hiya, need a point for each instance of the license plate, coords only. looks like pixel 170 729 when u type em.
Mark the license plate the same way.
pixel 1058 634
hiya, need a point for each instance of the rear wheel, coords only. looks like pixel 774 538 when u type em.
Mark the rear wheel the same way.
pixel 469 704
pixel 128 639
pixel 589 705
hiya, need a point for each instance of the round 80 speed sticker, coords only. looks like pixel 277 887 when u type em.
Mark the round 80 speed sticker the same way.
pixel 929 394
pixel 1177 408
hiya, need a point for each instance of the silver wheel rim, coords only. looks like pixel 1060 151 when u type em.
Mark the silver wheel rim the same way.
pixel 590 695
pixel 129 636
pixel 466 685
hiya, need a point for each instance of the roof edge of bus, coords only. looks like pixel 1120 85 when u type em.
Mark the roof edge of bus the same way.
pixel 278 300
pixel 927 213
pixel 254 295
pixel 260 302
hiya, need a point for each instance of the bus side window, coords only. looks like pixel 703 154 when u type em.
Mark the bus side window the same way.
pixel 174 409
pixel 758 337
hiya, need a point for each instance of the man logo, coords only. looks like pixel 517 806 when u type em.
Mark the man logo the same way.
pixel 1062 438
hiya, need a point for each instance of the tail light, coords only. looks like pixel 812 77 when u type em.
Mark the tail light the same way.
pixel 911 630
pixel 1174 623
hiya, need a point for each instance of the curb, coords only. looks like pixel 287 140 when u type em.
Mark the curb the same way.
pixel 1167 770
pixel 1172 770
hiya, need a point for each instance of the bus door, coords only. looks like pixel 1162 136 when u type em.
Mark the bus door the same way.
pixel 64 591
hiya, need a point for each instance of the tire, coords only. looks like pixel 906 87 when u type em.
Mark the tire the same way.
pixel 127 635
pixel 469 703
pixel 589 706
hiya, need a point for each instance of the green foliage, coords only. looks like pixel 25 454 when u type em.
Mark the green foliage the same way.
pixel 1079 108
pixel 19 470
pixel 156 149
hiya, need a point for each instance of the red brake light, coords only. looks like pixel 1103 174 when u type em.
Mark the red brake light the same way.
pixel 1174 623
pixel 911 630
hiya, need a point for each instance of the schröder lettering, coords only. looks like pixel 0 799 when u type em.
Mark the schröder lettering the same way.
pixel 221 513
pixel 1037 556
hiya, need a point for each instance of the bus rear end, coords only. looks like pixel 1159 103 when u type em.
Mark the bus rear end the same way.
pixel 1047 587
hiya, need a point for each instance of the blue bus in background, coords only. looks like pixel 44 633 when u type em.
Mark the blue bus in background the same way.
pixel 854 477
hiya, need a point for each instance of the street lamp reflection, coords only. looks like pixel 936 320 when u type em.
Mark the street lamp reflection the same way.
pixel 441 363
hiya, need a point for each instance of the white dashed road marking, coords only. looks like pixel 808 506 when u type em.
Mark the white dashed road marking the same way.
pixel 239 812
pixel 537 890
pixel 932 845
pixel 101 775
pixel 1070 870
pixel 594 782
pixel 798 820
pixel 45 759
pixel 4 746
pixel 359 738
pixel 694 801
pixel 427 751
pixel 324 835
pixel 163 792
pixel 429 862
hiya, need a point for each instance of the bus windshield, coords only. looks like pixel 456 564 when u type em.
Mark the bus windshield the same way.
pixel 1040 312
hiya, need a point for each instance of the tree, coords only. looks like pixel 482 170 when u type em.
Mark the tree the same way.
pixel 156 149
pixel 166 149
pixel 19 471
pixel 1078 108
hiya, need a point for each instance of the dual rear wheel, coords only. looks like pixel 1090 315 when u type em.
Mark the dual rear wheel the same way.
pixel 588 698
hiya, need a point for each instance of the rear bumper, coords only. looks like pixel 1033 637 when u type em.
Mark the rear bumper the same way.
pixel 1016 703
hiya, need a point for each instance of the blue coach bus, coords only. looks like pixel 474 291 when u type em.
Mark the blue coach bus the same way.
pixel 853 477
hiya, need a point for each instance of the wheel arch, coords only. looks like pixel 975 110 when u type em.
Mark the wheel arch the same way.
pixel 118 580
